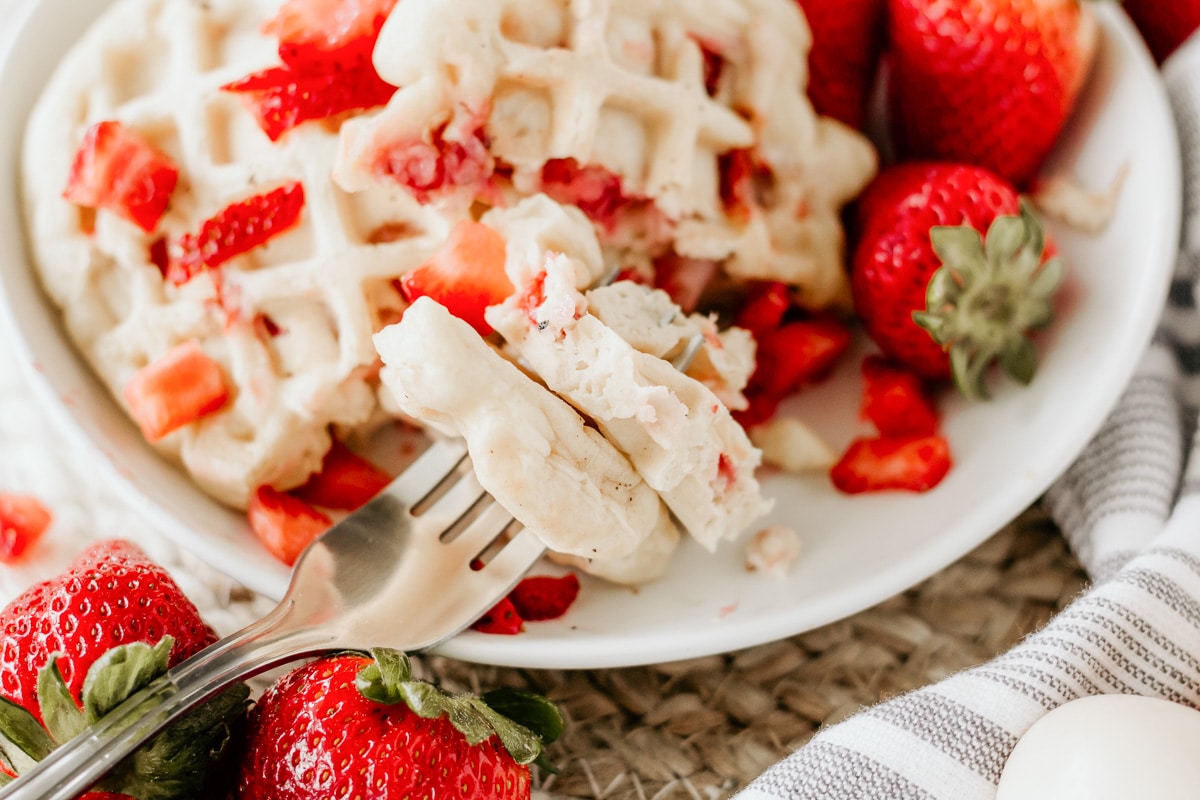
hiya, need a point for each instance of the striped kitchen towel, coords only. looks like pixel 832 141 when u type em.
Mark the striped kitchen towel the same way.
pixel 1130 509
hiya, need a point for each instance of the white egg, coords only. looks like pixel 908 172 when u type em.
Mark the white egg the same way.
pixel 1107 747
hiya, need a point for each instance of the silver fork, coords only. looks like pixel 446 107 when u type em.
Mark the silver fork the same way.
pixel 433 540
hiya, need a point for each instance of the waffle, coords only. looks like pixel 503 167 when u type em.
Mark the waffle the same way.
pixel 627 87
pixel 539 458
pixel 326 285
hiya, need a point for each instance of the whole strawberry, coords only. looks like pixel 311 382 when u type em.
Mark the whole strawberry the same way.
pixel 987 82
pixel 78 645
pixel 951 271
pixel 353 725
pixel 847 43
pixel 112 595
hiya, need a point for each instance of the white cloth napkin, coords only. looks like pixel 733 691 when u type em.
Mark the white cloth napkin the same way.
pixel 1130 509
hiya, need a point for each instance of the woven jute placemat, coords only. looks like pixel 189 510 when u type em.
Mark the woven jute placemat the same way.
pixel 705 727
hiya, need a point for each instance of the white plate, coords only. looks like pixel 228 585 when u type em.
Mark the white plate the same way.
pixel 857 550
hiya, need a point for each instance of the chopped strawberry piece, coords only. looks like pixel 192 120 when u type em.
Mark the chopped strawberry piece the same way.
pixel 912 463
pixel 236 229
pixel 23 520
pixel 502 619
pixel 896 400
pixel 764 308
pixel 594 190
pixel 439 165
pixel 346 481
pixel 284 524
pixel 116 169
pixel 280 98
pixel 684 279
pixel 466 275
pixel 796 353
pixel 182 386
pixel 312 30
pixel 541 597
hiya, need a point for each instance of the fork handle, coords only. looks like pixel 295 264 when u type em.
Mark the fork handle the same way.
pixel 75 767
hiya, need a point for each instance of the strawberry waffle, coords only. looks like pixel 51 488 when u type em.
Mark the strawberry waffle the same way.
pixel 233 204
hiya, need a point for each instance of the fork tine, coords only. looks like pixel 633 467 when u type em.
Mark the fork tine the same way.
pixel 518 554
pixel 474 538
pixel 428 471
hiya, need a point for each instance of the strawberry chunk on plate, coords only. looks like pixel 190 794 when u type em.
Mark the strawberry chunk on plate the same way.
pixel 117 169
pixel 181 387
pixel 542 597
pixel 284 524
pixel 466 275
pixel 346 481
pixel 896 400
pixel 912 463
pixel 23 520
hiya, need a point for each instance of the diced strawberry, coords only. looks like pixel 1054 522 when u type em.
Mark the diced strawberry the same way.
pixel 182 386
pixel 310 30
pixel 346 481
pixel 236 229
pixel 439 165
pixel 913 463
pixel 594 190
pixel 23 520
pixel 502 619
pixel 684 279
pixel 284 524
pixel 796 353
pixel 116 169
pixel 896 400
pixel 280 98
pixel 541 597
pixel 466 275
pixel 764 308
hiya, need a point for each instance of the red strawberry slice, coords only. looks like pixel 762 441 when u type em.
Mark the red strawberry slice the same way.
pixel 764 308
pixel 116 169
pixel 914 463
pixel 542 597
pixel 280 98
pixel 466 275
pixel 346 481
pixel 503 619
pixel 284 524
pixel 896 400
pixel 23 520
pixel 236 229
pixel 313 30
pixel 181 387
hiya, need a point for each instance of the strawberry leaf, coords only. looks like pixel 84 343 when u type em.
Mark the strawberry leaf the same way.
pixel 532 710
pixel 120 673
pixel 62 717
pixel 179 762
pixel 23 741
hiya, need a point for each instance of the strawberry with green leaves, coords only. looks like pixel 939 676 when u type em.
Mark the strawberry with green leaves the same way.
pixel 79 644
pixel 950 273
pixel 357 725
pixel 987 82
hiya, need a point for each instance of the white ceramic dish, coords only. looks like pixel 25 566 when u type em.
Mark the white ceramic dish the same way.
pixel 857 551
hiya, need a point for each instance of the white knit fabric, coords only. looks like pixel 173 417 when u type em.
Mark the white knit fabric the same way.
pixel 1130 509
